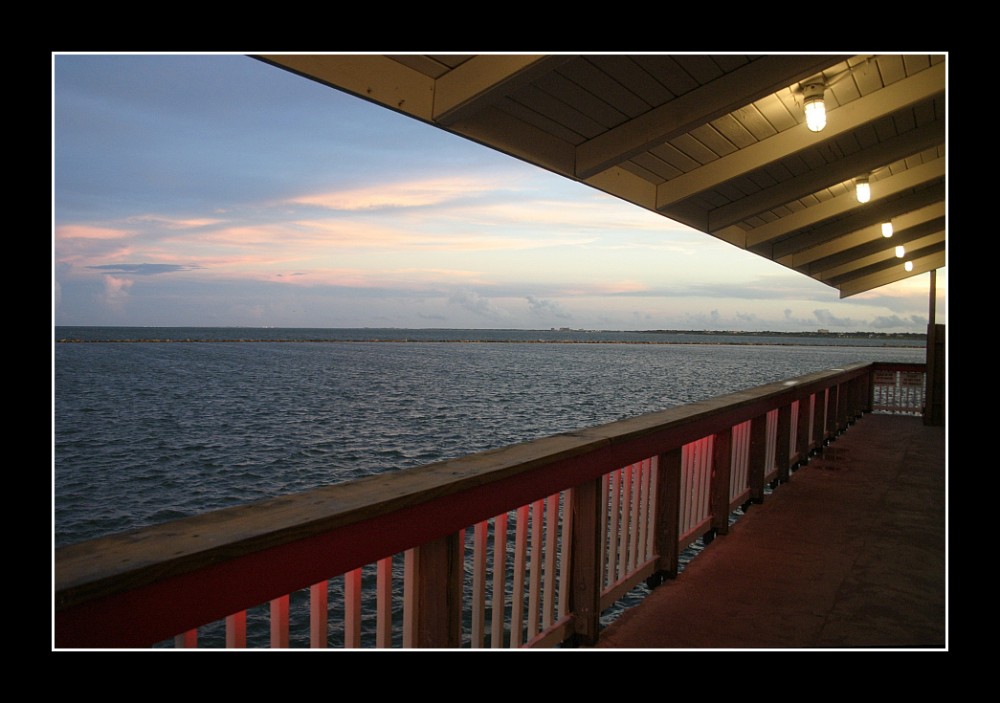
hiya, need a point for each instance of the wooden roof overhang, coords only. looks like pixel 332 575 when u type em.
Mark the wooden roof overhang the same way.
pixel 716 142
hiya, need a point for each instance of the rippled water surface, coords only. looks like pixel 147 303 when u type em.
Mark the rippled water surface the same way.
pixel 147 432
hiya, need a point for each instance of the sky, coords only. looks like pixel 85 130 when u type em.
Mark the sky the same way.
pixel 217 190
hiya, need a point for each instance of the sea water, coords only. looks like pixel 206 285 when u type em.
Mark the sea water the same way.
pixel 151 431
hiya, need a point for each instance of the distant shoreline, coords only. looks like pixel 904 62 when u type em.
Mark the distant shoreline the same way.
pixel 404 340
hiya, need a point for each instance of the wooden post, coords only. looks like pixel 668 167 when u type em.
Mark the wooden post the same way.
pixel 869 391
pixel 843 394
pixel 934 398
pixel 439 593
pixel 802 435
pixel 758 456
pixel 668 510
pixel 585 590
pixel 821 417
pixel 783 448
pixel 856 401
pixel 722 462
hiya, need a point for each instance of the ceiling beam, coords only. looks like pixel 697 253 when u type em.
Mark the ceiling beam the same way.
pixel 873 213
pixel 899 95
pixel 841 205
pixel 482 80
pixel 929 234
pixel 814 260
pixel 862 162
pixel 736 89
pixel 375 78
pixel 896 273
pixel 505 133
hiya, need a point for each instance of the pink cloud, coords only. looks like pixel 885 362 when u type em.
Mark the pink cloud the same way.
pixel 418 193
pixel 67 232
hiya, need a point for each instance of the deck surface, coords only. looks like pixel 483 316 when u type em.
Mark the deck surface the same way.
pixel 850 553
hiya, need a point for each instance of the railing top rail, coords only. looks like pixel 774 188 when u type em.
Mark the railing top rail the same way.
pixel 462 491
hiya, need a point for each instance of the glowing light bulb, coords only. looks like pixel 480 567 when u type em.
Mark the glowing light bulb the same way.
pixel 815 107
pixel 908 266
pixel 886 229
pixel 863 190
pixel 900 252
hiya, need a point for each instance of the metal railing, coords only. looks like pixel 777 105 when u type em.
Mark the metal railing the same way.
pixel 520 546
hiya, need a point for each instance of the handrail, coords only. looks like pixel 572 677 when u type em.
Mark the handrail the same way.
pixel 140 587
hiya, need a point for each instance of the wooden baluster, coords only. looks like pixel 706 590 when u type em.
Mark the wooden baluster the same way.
pixel 319 607
pixel 565 541
pixel 411 566
pixel 605 555
pixel 479 584
pixel 535 573
pixel 551 532
pixel 520 555
pixel 383 603
pixel 499 581
pixel 635 478
pixel 614 554
pixel 352 609
pixel 279 622
pixel 236 630
pixel 186 640
pixel 642 542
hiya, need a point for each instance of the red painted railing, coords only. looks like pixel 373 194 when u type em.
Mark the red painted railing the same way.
pixel 520 546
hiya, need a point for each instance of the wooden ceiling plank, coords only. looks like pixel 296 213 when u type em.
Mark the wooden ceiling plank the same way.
pixel 582 100
pixel 510 135
pixel 838 206
pixel 849 117
pixel 634 78
pixel 627 186
pixel 877 249
pixel 792 189
pixel 931 216
pixel 586 73
pixel 375 78
pixel 897 273
pixel 482 80
pixel 872 213
pixel 693 109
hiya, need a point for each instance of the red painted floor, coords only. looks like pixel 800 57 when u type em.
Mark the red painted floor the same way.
pixel 850 553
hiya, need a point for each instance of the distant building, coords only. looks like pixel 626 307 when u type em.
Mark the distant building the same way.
pixel 823 331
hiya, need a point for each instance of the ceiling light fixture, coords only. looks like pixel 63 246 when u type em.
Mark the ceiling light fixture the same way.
pixel 862 189
pixel 908 266
pixel 887 229
pixel 815 107
pixel 900 252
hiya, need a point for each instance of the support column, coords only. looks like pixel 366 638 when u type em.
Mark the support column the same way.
pixel 439 593
pixel 668 512
pixel 585 589
pixel 722 462
pixel 758 457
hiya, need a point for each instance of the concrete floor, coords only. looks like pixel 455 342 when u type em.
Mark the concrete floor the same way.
pixel 850 553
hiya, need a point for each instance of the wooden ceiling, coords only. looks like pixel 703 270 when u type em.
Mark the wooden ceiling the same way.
pixel 716 142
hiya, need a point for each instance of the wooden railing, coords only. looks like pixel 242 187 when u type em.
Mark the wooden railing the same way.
pixel 520 546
